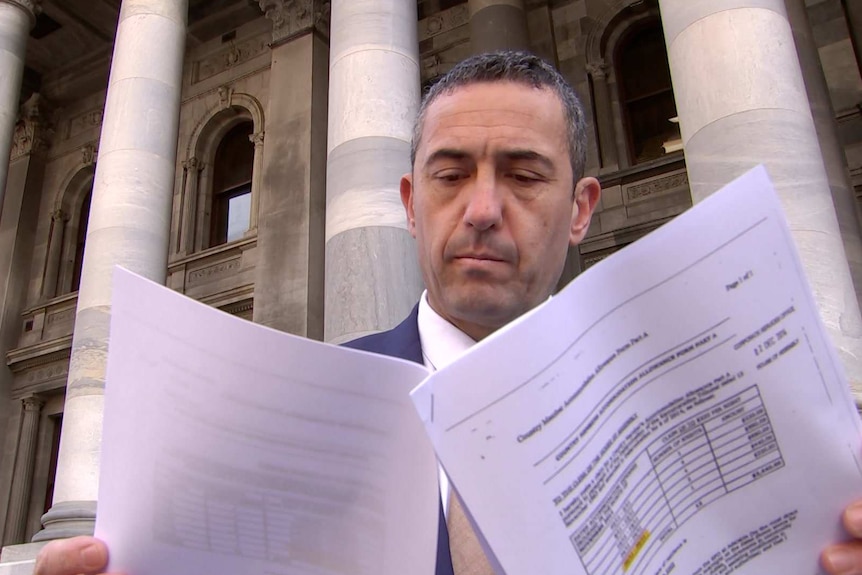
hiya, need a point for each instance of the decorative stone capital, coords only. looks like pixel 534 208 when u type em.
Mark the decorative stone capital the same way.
pixel 291 18
pixel 191 164
pixel 32 7
pixel 32 403
pixel 58 215
pixel 598 70
pixel 256 139
pixel 32 131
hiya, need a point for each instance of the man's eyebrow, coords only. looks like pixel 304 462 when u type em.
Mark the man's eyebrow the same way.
pixel 446 154
pixel 527 155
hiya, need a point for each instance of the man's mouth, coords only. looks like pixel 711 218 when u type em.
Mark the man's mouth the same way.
pixel 480 257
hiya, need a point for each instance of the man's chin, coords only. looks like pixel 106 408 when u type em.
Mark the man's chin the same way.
pixel 490 310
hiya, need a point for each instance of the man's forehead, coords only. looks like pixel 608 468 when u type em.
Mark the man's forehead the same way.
pixel 490 96
pixel 522 109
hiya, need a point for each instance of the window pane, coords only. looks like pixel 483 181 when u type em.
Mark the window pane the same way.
pixel 647 94
pixel 232 175
pixel 643 61
pixel 651 127
pixel 238 211
pixel 83 220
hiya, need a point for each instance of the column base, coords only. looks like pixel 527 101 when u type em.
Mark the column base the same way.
pixel 67 519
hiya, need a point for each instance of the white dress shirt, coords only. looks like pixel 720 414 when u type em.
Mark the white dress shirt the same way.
pixel 442 343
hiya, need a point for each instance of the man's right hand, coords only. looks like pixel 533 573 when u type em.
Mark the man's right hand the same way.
pixel 75 556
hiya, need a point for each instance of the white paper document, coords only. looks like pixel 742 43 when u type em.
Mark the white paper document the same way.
pixel 676 409
pixel 230 448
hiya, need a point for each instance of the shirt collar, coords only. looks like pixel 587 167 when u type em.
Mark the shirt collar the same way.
pixel 442 342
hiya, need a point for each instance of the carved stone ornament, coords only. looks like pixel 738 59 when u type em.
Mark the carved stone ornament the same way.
pixel 256 139
pixel 32 131
pixel 225 96
pixel 32 403
pixel 293 17
pixel 598 70
pixel 89 153
pixel 191 164
pixel 58 215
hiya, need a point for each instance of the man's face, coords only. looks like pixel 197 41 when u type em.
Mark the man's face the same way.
pixel 492 202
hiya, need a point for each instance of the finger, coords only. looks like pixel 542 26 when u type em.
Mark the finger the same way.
pixel 852 519
pixel 843 559
pixel 72 557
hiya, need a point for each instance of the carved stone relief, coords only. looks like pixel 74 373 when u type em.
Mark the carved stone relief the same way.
pixel 88 120
pixel 443 21
pixel 657 186
pixel 235 54
pixel 54 371
pixel 221 269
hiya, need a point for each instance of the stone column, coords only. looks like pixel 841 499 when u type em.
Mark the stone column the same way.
pixel 22 478
pixel 372 277
pixel 742 101
pixel 55 252
pixel 256 177
pixel 188 228
pixel 604 116
pixel 834 160
pixel 498 25
pixel 129 225
pixel 18 224
pixel 853 11
pixel 17 17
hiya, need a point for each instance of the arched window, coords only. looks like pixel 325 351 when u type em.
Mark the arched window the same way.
pixel 646 93
pixel 67 235
pixel 231 188
pixel 221 176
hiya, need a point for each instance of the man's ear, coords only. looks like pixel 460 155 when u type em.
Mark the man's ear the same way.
pixel 587 193
pixel 407 200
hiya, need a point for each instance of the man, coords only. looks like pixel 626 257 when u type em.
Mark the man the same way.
pixel 495 197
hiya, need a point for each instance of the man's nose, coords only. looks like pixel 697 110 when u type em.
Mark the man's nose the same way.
pixel 484 205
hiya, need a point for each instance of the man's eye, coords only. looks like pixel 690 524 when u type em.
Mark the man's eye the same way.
pixel 525 177
pixel 449 176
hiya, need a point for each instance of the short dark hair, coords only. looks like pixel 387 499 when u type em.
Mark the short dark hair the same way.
pixel 521 68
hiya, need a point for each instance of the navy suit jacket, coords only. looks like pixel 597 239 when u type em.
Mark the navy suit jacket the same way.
pixel 403 341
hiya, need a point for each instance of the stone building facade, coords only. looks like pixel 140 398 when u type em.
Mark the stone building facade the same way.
pixel 247 154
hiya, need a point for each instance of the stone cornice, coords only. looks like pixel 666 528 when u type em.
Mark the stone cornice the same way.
pixel 43 353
